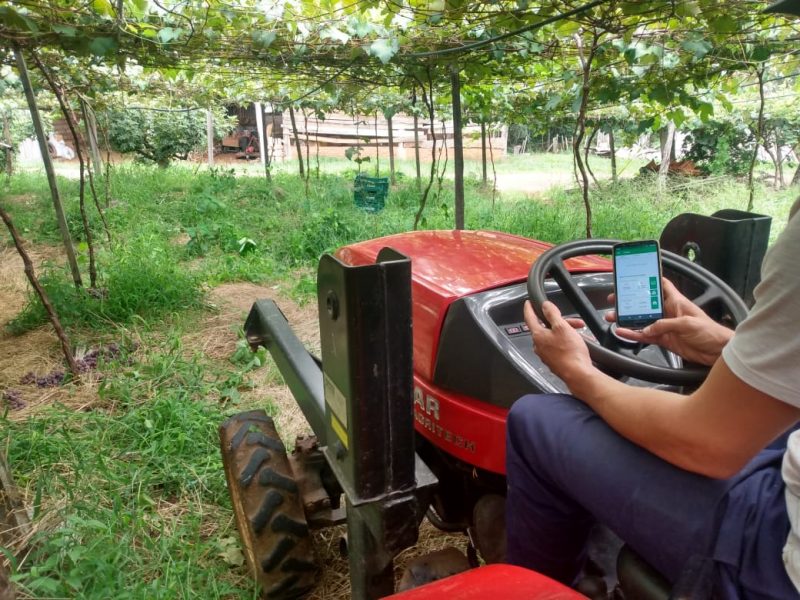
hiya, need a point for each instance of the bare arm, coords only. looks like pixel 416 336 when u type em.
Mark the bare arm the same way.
pixel 713 431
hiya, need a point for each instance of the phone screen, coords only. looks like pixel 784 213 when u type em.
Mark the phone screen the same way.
pixel 637 283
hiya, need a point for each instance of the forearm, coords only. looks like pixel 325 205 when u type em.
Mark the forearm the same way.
pixel 657 420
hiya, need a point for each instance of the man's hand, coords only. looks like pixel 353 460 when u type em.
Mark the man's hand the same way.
pixel 560 347
pixel 675 304
pixel 696 339
pixel 686 330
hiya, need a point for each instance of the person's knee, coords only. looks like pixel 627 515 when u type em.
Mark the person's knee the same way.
pixel 537 411
pixel 532 419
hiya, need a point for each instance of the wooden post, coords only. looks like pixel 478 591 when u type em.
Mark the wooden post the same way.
pixel 391 152
pixel 297 141
pixel 613 151
pixel 416 139
pixel 10 149
pixel 377 148
pixel 483 149
pixel 667 141
pixel 210 137
pixel 262 142
pixel 91 135
pixel 48 167
pixel 458 147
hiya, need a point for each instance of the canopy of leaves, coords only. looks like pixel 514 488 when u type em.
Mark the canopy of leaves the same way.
pixel 659 60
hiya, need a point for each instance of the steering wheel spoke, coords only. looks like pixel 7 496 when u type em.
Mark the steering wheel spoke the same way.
pixel 707 297
pixel 673 360
pixel 584 307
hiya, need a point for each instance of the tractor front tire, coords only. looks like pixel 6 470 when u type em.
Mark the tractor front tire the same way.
pixel 267 507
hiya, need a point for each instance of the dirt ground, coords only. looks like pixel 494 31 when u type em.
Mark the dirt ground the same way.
pixel 38 351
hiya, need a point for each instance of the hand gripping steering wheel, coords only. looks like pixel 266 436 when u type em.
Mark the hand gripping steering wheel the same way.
pixel 608 350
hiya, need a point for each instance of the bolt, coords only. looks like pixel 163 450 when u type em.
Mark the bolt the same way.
pixel 339 450
pixel 332 304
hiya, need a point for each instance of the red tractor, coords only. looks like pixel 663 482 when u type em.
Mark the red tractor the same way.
pixel 395 442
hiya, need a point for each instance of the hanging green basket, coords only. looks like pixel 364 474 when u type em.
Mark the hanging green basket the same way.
pixel 370 192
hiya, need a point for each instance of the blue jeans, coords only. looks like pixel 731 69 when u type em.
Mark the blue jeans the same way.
pixel 567 470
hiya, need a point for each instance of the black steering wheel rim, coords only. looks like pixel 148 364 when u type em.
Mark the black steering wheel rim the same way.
pixel 606 350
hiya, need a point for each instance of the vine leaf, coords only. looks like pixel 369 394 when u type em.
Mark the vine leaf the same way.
pixel 384 49
pixel 264 39
pixel 103 46
pixel 331 33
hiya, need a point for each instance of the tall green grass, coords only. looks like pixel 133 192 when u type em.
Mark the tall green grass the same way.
pixel 136 280
pixel 135 486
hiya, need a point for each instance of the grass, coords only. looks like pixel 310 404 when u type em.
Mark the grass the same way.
pixel 129 494
pixel 135 486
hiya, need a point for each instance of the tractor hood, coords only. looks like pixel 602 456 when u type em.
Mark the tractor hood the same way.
pixel 459 263
pixel 448 265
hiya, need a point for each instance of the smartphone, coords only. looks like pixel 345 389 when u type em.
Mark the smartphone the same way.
pixel 637 283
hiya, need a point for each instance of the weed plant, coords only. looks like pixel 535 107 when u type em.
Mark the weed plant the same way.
pixel 138 280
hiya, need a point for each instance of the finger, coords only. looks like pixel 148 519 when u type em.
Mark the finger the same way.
pixel 552 314
pixel 630 334
pixel 576 323
pixel 531 320
pixel 661 327
pixel 612 298
pixel 611 316
pixel 668 287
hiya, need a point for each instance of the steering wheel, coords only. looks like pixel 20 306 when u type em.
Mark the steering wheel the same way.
pixel 609 350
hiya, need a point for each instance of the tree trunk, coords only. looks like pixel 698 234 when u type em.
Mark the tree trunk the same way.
pixel 308 152
pixel 297 141
pixel 458 146
pixel 316 150
pixel 494 171
pixel 48 307
pixel 774 160
pixel 391 152
pixel 483 150
pixel 667 141
pixel 432 116
pixel 72 123
pixel 586 149
pixel 210 137
pixel 10 150
pixel 796 177
pixel 580 125
pixel 91 135
pixel 262 140
pixel 759 135
pixel 48 167
pixel 88 117
pixel 779 183
pixel 377 147
pixel 416 138
pixel 613 151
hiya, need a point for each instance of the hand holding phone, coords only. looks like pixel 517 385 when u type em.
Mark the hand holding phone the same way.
pixel 639 298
